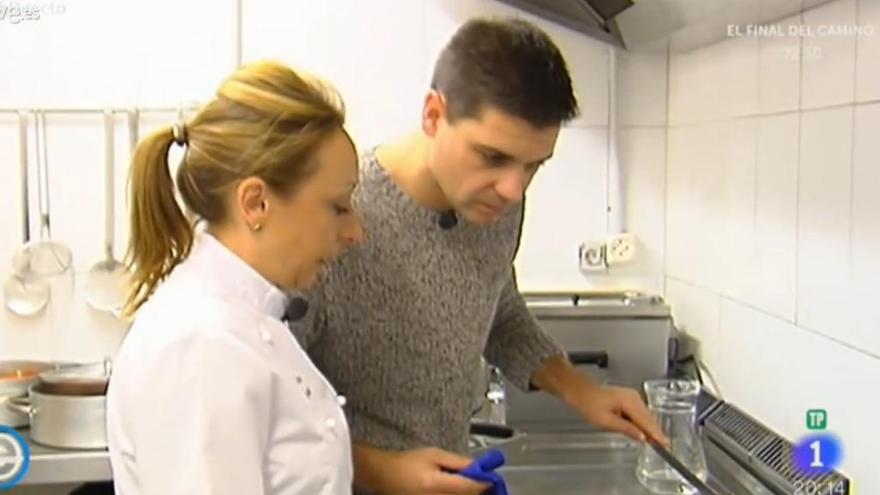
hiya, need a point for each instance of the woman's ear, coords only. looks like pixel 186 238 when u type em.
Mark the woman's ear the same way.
pixel 252 201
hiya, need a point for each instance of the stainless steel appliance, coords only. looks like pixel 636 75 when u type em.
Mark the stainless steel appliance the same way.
pixel 618 338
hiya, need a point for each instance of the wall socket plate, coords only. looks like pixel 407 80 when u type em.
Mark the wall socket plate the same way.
pixel 592 256
pixel 620 248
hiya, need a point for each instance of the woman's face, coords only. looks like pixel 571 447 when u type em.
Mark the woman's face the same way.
pixel 308 228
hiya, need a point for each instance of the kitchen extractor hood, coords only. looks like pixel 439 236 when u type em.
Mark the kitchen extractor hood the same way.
pixel 591 17
pixel 682 24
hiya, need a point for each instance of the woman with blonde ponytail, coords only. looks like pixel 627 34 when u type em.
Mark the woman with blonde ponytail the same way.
pixel 211 394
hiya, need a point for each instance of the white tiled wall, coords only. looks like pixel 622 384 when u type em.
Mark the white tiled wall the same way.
pixel 379 54
pixel 865 225
pixel 771 270
pixel 377 62
pixel 697 311
pixel 117 53
pixel 552 264
pixel 829 61
pixel 642 88
pixel 824 191
pixel 779 69
pixel 867 53
pixel 641 156
pixel 695 194
pixel 772 233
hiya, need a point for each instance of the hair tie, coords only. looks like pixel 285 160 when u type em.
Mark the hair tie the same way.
pixel 179 132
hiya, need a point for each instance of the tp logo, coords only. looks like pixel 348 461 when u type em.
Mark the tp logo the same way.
pixel 15 457
pixel 817 419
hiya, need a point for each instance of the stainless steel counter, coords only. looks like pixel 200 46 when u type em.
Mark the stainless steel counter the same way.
pixel 579 463
pixel 49 466
pixel 587 463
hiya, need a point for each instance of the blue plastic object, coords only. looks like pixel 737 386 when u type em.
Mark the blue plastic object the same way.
pixel 483 470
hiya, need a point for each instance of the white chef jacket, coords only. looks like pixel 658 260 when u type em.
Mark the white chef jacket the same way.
pixel 210 393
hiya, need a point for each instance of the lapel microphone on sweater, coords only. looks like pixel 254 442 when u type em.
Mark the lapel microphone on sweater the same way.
pixel 297 308
pixel 447 220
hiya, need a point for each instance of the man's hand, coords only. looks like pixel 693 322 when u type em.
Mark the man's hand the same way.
pixel 412 472
pixel 618 409
pixel 610 408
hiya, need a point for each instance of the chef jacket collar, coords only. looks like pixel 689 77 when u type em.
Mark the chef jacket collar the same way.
pixel 235 277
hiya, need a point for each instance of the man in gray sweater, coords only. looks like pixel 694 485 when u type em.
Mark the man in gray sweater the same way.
pixel 399 325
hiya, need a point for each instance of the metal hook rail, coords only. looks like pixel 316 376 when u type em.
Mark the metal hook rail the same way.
pixel 100 111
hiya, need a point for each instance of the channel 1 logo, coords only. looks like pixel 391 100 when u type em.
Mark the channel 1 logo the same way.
pixel 820 452
pixel 15 457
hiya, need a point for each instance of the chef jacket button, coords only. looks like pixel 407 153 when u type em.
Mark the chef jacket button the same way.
pixel 308 392
pixel 341 400
pixel 330 422
pixel 266 337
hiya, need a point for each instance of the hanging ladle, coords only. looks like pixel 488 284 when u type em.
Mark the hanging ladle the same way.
pixel 45 258
pixel 26 293
pixel 107 279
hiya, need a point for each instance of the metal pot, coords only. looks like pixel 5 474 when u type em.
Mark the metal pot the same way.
pixel 64 421
pixel 82 379
pixel 10 417
pixel 15 379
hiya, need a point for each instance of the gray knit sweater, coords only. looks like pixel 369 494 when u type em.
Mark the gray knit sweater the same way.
pixel 400 322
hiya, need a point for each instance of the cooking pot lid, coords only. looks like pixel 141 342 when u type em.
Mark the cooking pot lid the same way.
pixel 82 373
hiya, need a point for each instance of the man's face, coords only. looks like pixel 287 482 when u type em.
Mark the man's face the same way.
pixel 484 164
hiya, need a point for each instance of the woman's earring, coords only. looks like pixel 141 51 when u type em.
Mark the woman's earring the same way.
pixel 256 227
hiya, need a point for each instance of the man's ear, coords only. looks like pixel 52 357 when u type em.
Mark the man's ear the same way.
pixel 433 111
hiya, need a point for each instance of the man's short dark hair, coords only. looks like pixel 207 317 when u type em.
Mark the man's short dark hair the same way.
pixel 508 64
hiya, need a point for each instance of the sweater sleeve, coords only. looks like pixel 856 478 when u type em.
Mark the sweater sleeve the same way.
pixel 517 344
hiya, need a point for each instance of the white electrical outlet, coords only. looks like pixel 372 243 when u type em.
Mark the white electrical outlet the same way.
pixel 591 256
pixel 620 248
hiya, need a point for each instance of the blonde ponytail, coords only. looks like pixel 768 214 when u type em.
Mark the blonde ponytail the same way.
pixel 161 236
